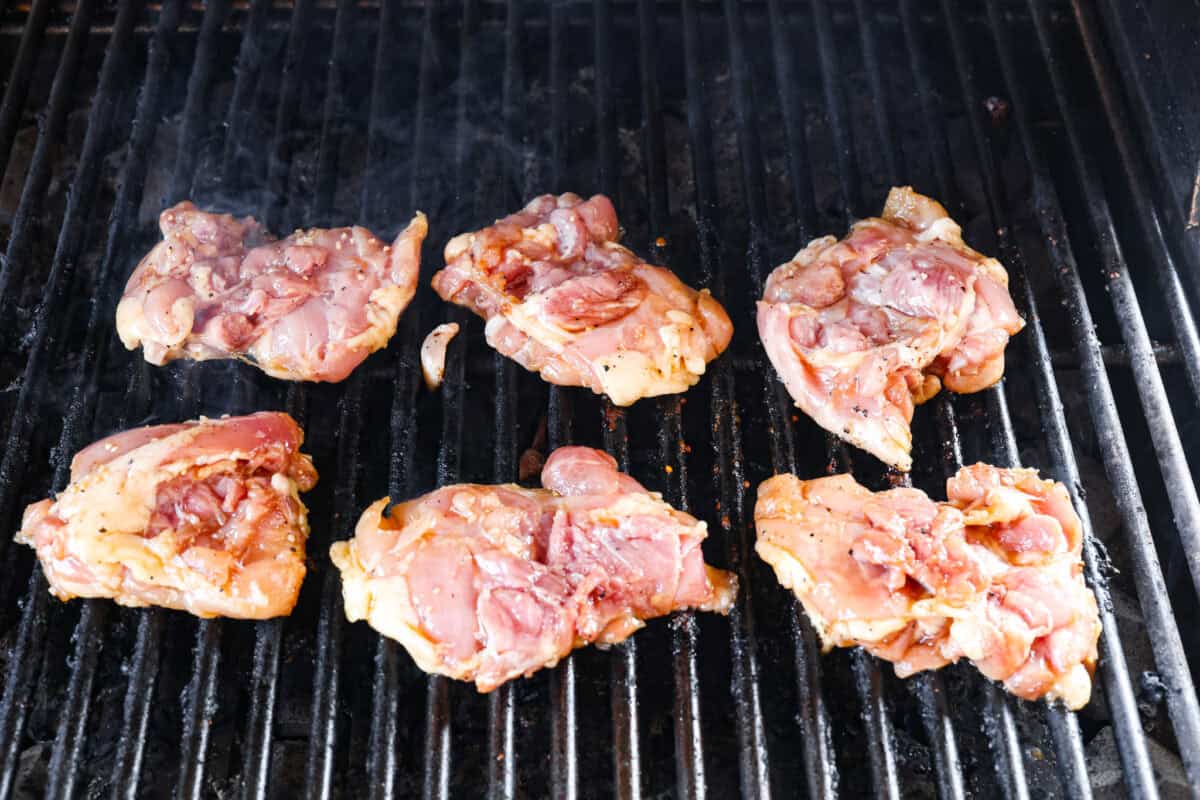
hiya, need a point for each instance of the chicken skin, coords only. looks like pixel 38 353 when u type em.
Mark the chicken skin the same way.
pixel 563 299
pixel 202 516
pixel 487 583
pixel 308 307
pixel 993 575
pixel 863 329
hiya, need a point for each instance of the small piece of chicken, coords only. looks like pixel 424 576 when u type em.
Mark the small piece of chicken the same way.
pixel 309 307
pixel 863 329
pixel 563 299
pixel 202 516
pixel 433 353
pixel 487 583
pixel 993 575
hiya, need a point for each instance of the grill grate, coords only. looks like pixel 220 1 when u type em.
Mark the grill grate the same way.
pixel 727 134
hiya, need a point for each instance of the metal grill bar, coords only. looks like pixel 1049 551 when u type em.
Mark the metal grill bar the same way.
pixel 438 756
pixel 820 765
pixel 1112 672
pixel 868 677
pixel 730 487
pixel 893 158
pixel 145 662
pixel 999 712
pixel 816 753
pixel 1138 183
pixel 268 635
pixel 999 718
pixel 264 681
pixel 242 105
pixel 849 180
pixel 564 761
pixel 690 780
pixel 998 715
pixel 502 713
pixel 928 687
pixel 24 661
pixel 1171 459
pixel 73 719
pixel 32 194
pixel 200 704
pixel 197 93
pixel 49 132
pixel 326 707
pixel 690 753
pixel 17 90
pixel 280 158
pixel 382 763
pixel 323 735
pixel 335 93
pixel 623 679
pixel 1064 726
pixel 200 695
pixel 1167 145
pixel 1151 589
pixel 22 672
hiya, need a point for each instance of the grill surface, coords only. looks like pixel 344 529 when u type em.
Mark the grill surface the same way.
pixel 727 134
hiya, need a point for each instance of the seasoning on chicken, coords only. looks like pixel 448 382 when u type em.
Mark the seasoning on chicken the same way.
pixel 202 516
pixel 864 329
pixel 308 307
pixel 993 575
pixel 563 299
pixel 433 353
pixel 487 583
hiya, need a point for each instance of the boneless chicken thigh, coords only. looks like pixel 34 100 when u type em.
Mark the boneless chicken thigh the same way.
pixel 487 583
pixel 308 307
pixel 993 575
pixel 202 516
pixel 563 299
pixel 862 329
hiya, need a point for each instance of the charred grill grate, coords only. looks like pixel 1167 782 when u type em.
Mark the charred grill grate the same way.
pixel 727 135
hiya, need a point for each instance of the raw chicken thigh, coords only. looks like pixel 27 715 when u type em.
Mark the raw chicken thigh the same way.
pixel 309 307
pixel 202 516
pixel 864 329
pixel 487 583
pixel 993 575
pixel 563 299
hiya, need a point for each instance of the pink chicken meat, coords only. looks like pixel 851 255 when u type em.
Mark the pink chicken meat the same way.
pixel 993 575
pixel 202 516
pixel 863 329
pixel 487 583
pixel 563 299
pixel 308 307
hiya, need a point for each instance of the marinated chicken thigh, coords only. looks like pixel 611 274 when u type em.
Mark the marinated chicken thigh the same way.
pixel 863 329
pixel 308 307
pixel 993 575
pixel 487 583
pixel 563 299
pixel 202 516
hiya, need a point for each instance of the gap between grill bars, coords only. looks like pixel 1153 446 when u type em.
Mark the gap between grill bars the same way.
pixel 727 135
